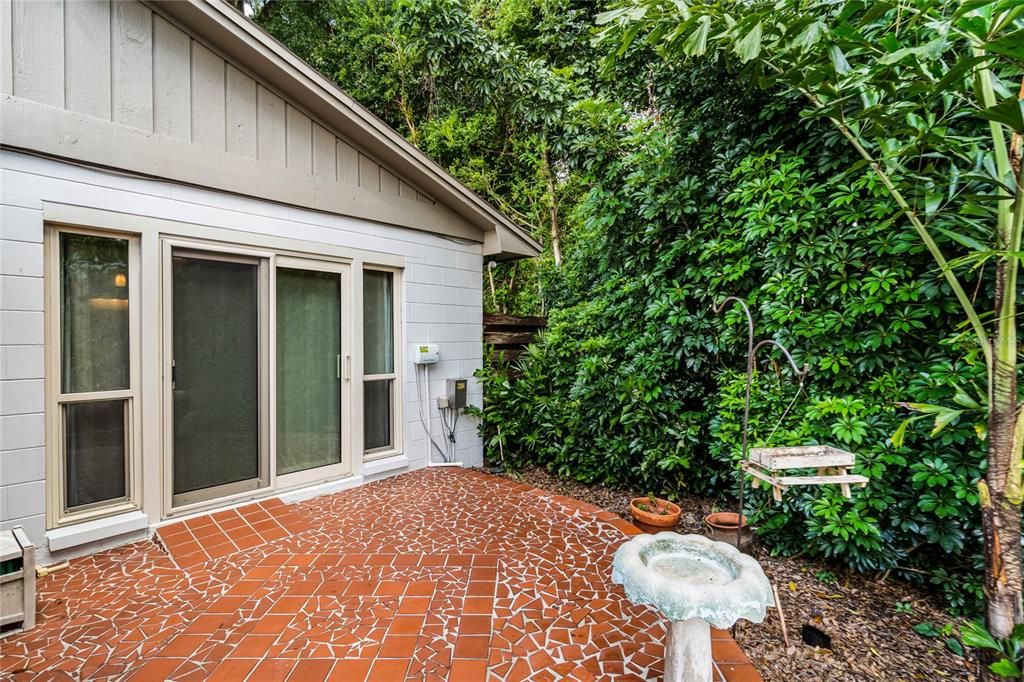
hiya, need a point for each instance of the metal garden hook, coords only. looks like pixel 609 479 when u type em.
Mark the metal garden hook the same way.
pixel 751 355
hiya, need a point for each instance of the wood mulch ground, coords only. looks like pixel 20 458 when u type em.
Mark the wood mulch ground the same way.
pixel 871 639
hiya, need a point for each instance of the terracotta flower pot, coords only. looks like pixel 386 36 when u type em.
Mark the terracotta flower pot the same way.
pixel 664 515
pixel 722 527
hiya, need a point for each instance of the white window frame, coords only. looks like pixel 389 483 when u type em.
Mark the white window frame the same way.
pixel 151 484
pixel 220 495
pixel 398 344
pixel 58 514
pixel 344 468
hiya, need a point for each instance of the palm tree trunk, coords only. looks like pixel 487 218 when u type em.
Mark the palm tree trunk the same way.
pixel 1001 507
pixel 1001 492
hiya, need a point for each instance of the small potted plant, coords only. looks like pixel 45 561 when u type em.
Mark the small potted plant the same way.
pixel 723 526
pixel 653 511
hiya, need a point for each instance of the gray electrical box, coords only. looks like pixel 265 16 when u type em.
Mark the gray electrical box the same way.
pixel 456 390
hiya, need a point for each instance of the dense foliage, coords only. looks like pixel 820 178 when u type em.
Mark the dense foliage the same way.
pixel 487 89
pixel 676 183
pixel 639 383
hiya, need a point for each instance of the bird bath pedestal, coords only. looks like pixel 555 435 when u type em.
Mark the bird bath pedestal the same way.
pixel 695 583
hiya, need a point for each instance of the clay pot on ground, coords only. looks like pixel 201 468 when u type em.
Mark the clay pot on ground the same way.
pixel 722 527
pixel 654 513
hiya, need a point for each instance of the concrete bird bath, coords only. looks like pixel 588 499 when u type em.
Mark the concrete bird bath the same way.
pixel 696 583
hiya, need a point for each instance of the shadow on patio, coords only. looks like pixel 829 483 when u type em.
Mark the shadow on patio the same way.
pixel 432 575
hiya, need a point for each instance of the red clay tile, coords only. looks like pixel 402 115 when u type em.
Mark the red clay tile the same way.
pixel 289 605
pixel 272 624
pixel 253 646
pixel 156 669
pixel 387 670
pixel 247 542
pixel 182 646
pixel 421 588
pixel 475 625
pixel 206 624
pixel 331 600
pixel 739 672
pixel 226 605
pixel 234 669
pixel 471 646
pixel 390 588
pixel 350 670
pixel 727 651
pixel 483 573
pixel 483 605
pixel 360 588
pixel 273 670
pixel 414 605
pixel 480 588
pixel 468 671
pixel 300 559
pixel 312 670
pixel 244 588
pixel 406 625
pixel 397 646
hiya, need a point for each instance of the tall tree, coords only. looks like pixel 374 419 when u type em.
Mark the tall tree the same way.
pixel 486 88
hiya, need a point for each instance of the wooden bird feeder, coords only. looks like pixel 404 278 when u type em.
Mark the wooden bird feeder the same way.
pixel 767 465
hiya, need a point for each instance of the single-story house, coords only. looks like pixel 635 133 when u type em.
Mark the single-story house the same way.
pixel 216 273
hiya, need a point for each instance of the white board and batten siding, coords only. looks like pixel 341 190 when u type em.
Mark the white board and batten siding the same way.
pixel 121 65
pixel 121 61
pixel 442 299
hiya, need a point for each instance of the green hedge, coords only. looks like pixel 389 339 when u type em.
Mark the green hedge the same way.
pixel 636 381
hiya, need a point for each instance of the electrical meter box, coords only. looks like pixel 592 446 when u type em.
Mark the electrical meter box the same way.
pixel 456 390
pixel 427 354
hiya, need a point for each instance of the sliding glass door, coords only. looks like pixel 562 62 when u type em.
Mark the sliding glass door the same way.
pixel 217 347
pixel 311 371
pixel 257 358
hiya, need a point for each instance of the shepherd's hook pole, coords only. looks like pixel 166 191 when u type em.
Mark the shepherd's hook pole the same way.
pixel 751 355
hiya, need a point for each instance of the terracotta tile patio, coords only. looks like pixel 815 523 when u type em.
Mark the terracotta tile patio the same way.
pixel 434 575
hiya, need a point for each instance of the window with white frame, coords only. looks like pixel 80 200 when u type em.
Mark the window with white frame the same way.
pixel 379 362
pixel 94 363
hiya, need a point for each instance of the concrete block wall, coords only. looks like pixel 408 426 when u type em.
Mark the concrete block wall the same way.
pixel 441 304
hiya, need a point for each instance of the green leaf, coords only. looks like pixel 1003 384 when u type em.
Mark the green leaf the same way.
pixel 810 35
pixel 926 629
pixel 964 400
pixel 954 645
pixel 1009 112
pixel 749 46
pixel 632 13
pixel 697 42
pixel 901 431
pixel 839 62
pixel 962 239
pixel 1010 45
pixel 929 50
pixel 1006 668
pixel 976 636
pixel 943 419
pixel 627 38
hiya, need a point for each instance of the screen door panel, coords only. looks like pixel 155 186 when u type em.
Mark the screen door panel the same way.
pixel 216 376
pixel 309 354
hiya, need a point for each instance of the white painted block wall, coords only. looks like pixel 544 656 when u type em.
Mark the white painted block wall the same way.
pixel 442 302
